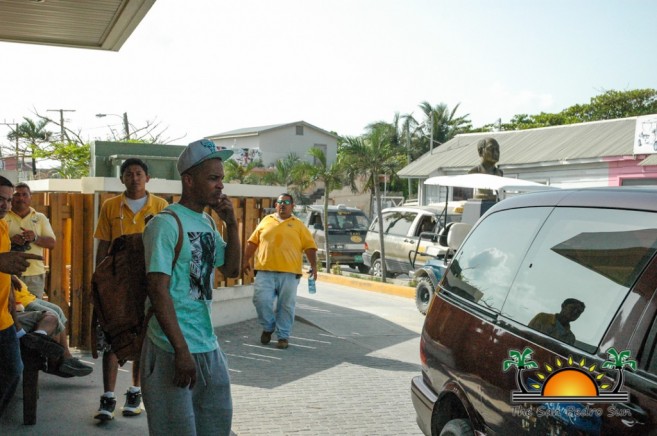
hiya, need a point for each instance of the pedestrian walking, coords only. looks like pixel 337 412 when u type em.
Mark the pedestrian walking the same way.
pixel 280 240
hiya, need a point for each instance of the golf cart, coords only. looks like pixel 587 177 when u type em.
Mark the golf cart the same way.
pixel 451 234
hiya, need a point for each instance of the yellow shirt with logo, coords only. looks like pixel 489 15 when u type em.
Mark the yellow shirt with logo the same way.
pixel 116 218
pixel 6 320
pixel 23 296
pixel 39 224
pixel 281 244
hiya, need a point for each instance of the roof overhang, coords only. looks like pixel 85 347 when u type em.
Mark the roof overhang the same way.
pixel 96 24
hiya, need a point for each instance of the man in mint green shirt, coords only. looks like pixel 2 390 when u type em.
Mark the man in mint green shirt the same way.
pixel 181 347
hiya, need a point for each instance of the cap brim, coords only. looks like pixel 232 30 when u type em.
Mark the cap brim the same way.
pixel 224 155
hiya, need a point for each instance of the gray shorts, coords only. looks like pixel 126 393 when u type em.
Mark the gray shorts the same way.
pixel 29 320
pixel 40 306
pixel 205 410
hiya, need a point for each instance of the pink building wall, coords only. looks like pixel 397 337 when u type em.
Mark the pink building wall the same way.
pixel 627 167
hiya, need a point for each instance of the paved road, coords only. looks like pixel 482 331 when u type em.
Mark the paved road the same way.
pixel 347 372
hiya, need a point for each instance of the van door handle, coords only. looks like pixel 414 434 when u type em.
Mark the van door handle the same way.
pixel 637 414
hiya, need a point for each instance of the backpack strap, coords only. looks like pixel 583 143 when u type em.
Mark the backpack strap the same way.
pixel 176 251
pixel 179 242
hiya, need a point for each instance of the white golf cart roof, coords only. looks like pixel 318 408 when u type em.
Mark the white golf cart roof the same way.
pixel 502 185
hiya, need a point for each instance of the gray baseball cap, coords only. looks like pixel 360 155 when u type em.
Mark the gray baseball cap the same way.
pixel 198 152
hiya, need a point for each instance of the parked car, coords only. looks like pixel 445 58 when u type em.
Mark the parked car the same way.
pixel 347 227
pixel 402 227
pixel 545 321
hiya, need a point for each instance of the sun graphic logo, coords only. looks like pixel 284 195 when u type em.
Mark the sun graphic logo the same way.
pixel 570 380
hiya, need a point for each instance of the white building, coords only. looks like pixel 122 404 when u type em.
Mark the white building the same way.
pixel 276 142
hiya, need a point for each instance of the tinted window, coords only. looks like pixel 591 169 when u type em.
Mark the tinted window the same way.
pixel 485 267
pixel 348 220
pixel 591 255
pixel 398 223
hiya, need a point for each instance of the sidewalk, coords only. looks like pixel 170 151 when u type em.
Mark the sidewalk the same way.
pixel 341 375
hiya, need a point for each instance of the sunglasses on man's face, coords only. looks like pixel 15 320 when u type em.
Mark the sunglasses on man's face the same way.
pixel 288 202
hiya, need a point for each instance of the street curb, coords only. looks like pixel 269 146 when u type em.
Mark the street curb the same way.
pixel 368 285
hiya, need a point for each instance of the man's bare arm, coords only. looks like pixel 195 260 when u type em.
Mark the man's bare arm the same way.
pixel 158 292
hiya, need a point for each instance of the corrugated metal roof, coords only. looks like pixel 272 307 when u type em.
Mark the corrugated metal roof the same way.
pixel 650 160
pixel 549 144
pixel 98 24
pixel 257 130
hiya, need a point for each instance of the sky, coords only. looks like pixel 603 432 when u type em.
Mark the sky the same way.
pixel 201 67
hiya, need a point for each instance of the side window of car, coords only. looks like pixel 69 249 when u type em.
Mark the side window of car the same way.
pixel 579 270
pixel 374 227
pixel 485 266
pixel 398 223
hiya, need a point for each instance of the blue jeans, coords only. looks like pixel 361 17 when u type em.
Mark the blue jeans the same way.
pixel 11 365
pixel 268 286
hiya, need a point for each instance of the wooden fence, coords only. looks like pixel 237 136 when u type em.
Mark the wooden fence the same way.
pixel 71 262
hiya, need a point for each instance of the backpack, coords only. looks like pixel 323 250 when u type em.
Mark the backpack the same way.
pixel 119 294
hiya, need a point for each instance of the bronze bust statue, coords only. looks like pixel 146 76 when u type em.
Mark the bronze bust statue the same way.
pixel 489 151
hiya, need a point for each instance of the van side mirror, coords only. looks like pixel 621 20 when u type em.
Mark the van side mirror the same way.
pixel 318 226
pixel 457 234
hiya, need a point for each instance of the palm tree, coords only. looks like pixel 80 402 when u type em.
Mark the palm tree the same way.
pixel 618 361
pixel 369 157
pixel 442 124
pixel 332 177
pixel 33 135
pixel 522 361
pixel 236 171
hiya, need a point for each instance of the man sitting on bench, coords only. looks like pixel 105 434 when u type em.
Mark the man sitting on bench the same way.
pixel 42 316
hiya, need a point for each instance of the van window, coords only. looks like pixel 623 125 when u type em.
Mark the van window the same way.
pixel 590 255
pixel 484 269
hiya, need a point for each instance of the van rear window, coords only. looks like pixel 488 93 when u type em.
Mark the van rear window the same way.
pixel 593 256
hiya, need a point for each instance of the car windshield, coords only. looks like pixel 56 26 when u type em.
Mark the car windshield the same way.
pixel 347 220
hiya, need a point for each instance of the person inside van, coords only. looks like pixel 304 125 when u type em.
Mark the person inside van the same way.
pixel 557 325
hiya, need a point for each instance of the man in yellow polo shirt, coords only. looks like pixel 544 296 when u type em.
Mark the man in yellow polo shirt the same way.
pixel 280 239
pixel 11 365
pixel 124 214
pixel 30 231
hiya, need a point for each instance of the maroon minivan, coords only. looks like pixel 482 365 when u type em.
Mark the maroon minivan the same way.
pixel 546 320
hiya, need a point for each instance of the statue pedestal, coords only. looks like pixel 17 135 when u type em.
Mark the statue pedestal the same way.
pixel 475 208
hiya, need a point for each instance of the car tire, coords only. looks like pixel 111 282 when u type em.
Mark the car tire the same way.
pixel 377 268
pixel 363 269
pixel 423 294
pixel 457 427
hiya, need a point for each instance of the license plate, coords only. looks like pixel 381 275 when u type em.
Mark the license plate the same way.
pixel 358 259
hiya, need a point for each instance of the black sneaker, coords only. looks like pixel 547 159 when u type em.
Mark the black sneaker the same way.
pixel 265 337
pixel 43 344
pixel 132 404
pixel 74 367
pixel 106 409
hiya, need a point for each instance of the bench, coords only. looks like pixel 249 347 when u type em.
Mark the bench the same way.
pixel 33 362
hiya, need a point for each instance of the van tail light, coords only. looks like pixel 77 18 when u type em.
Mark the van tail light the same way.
pixel 423 352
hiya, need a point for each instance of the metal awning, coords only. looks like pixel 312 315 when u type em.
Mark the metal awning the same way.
pixel 93 24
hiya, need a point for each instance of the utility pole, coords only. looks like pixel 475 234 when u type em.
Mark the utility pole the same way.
pixel 61 120
pixel 126 126
pixel 15 131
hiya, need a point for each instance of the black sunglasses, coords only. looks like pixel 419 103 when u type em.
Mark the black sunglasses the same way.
pixel 283 201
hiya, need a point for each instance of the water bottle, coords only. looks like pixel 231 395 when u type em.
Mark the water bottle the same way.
pixel 311 283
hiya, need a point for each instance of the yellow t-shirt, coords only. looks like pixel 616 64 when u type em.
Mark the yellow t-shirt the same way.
pixel 23 296
pixel 39 224
pixel 281 244
pixel 6 320
pixel 116 218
